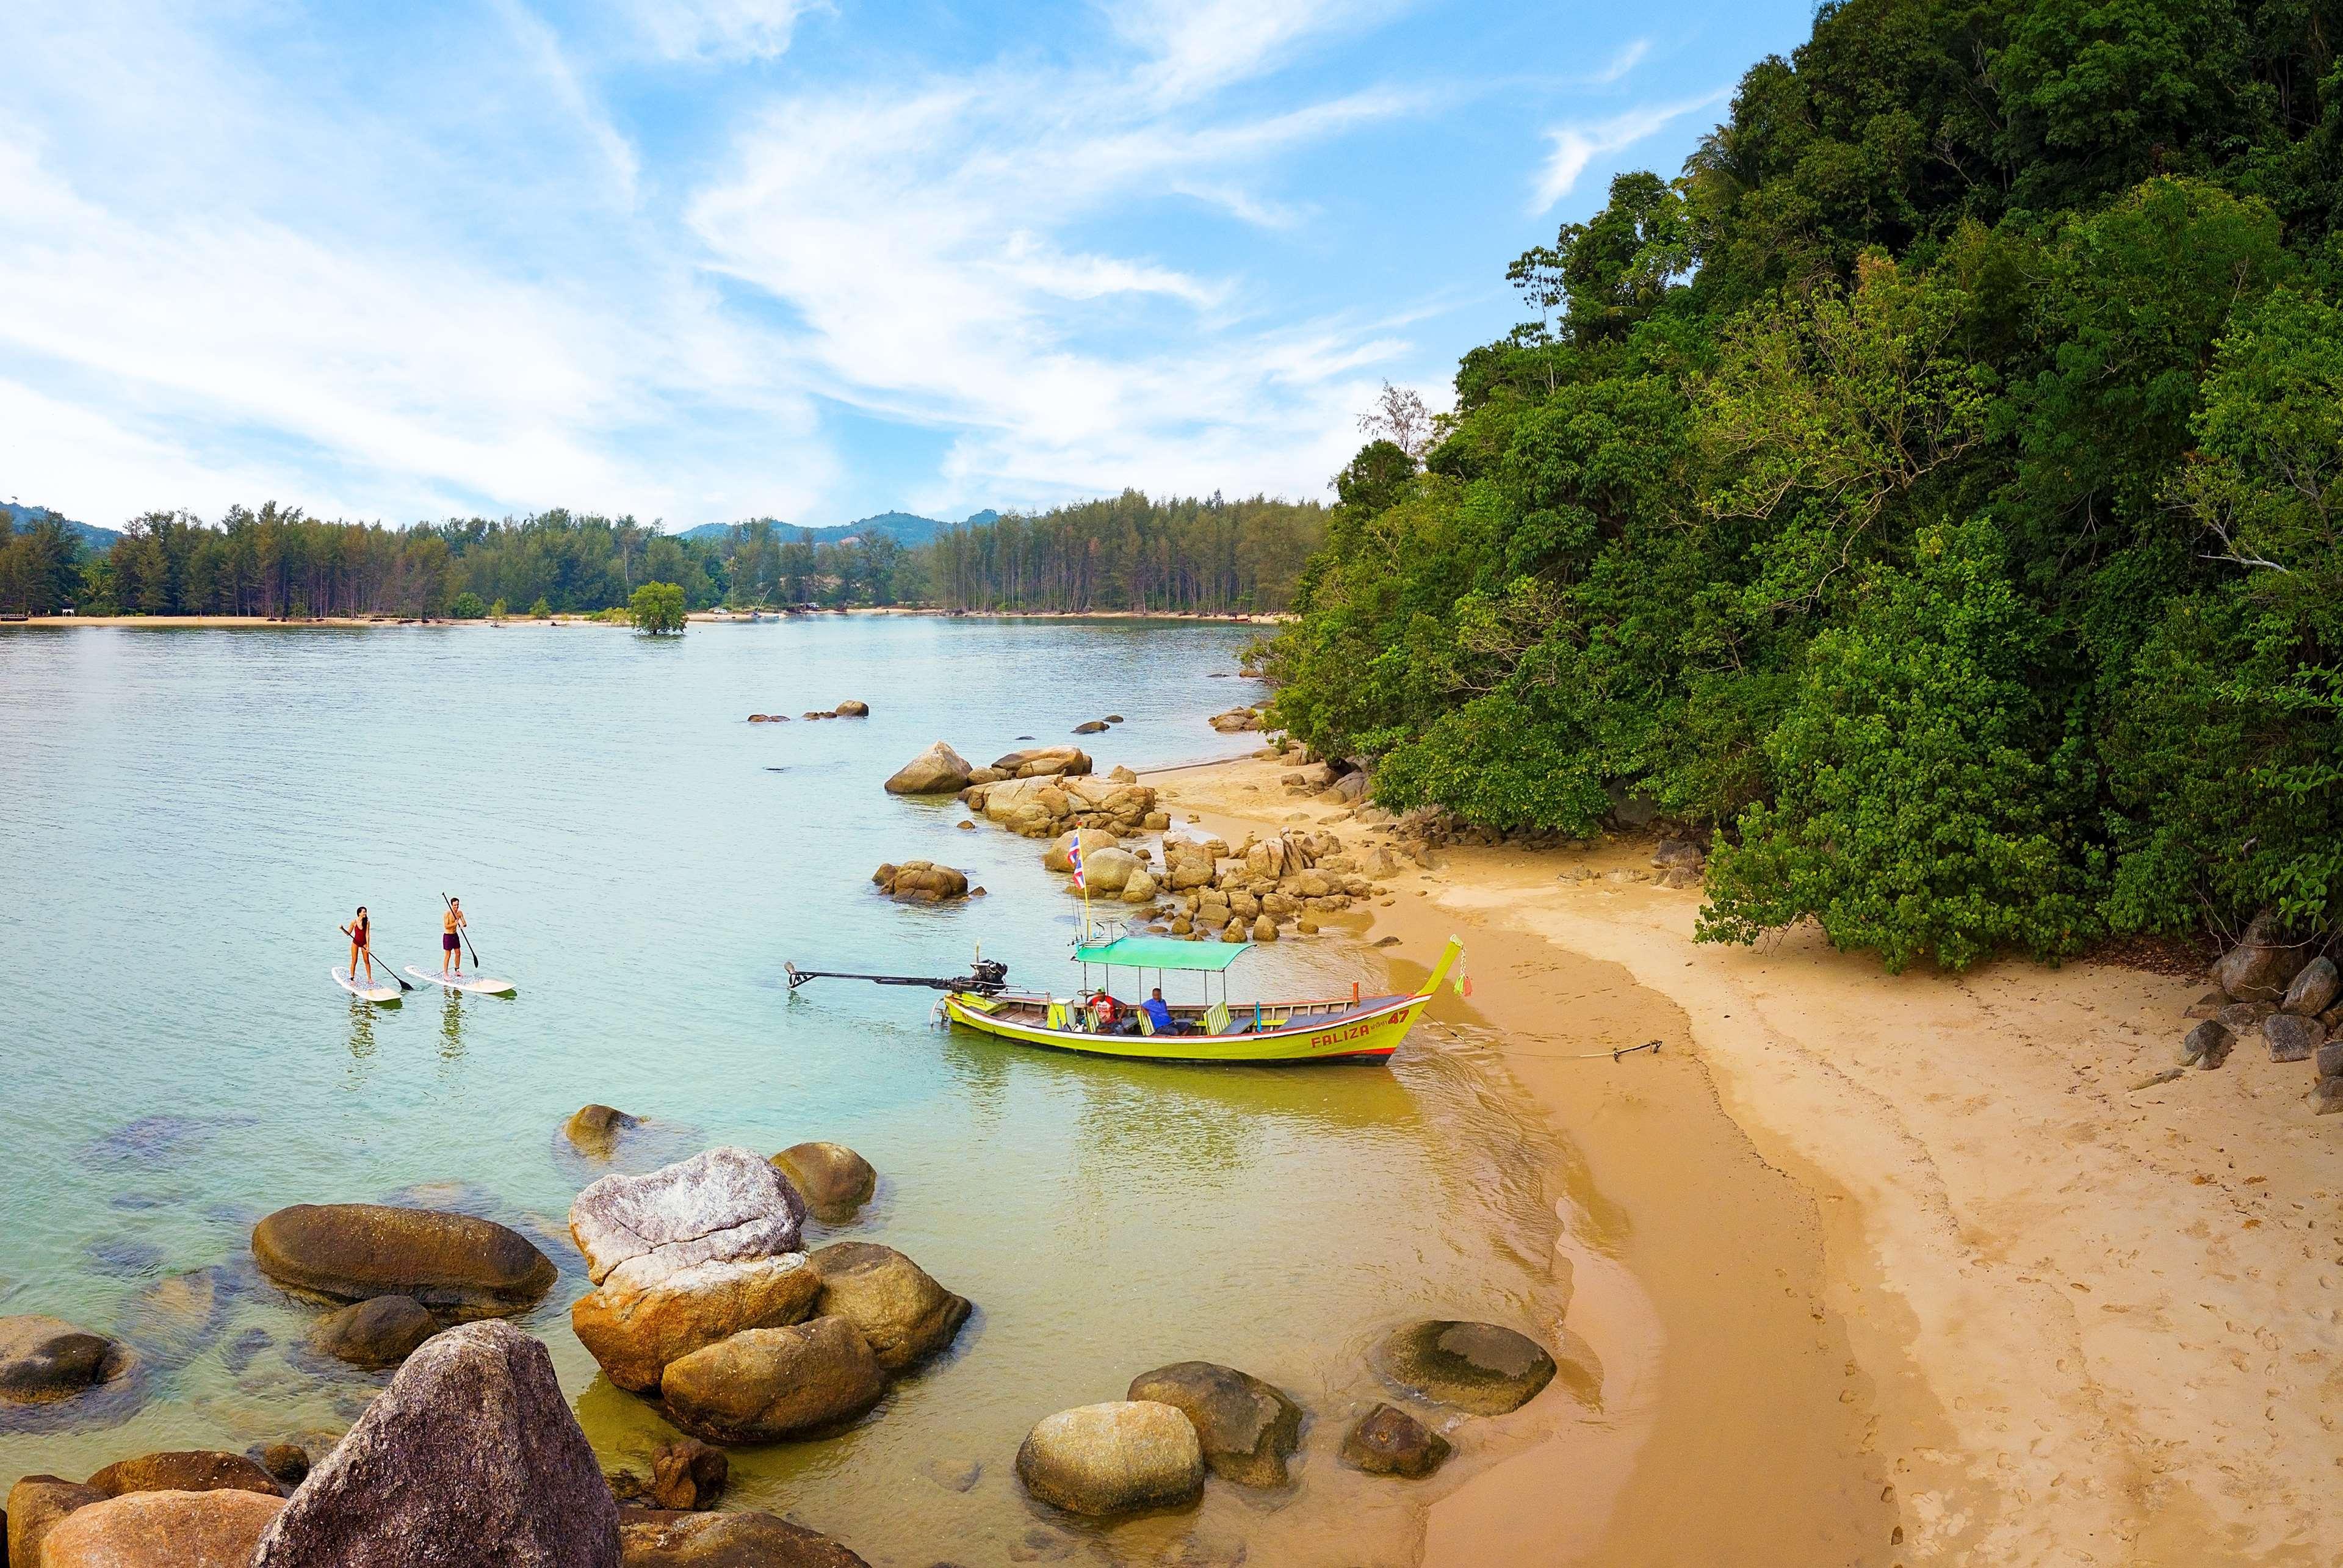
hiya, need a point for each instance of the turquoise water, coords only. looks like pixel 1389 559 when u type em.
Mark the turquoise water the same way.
pixel 185 817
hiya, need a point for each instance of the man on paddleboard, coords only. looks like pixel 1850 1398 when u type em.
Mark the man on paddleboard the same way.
pixel 360 930
pixel 451 945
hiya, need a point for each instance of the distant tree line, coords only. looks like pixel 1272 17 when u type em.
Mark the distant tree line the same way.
pixel 1128 553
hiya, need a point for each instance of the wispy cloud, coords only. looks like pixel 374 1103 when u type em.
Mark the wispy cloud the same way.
pixel 720 29
pixel 1620 64
pixel 1574 147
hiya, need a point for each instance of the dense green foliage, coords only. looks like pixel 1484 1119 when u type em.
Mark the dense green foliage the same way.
pixel 1130 553
pixel 39 566
pixel 658 609
pixel 1934 492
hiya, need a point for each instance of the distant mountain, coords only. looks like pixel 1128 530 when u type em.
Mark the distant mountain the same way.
pixel 907 526
pixel 96 538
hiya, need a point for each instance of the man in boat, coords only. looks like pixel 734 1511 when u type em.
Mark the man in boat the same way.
pixel 1159 1013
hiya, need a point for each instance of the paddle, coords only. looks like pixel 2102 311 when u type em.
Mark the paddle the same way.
pixel 463 934
pixel 386 969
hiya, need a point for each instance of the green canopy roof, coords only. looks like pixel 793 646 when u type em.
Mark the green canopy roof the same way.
pixel 1164 953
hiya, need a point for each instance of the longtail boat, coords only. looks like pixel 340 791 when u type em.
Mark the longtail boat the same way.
pixel 1342 1028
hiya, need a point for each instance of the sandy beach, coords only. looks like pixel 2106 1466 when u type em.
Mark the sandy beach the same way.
pixel 1879 1268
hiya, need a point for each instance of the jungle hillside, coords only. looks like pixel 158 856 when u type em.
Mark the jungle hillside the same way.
pixel 1930 495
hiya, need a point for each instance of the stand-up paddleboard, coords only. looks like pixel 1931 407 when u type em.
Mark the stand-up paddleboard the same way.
pixel 385 994
pixel 487 985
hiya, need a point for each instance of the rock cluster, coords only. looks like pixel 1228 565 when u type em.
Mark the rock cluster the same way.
pixel 1236 720
pixel 1042 806
pixel 2289 994
pixel 1248 893
pixel 705 1303
pixel 921 882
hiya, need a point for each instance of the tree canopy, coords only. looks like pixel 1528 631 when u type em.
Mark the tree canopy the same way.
pixel 1930 492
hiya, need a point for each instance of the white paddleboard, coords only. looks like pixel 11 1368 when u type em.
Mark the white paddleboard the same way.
pixel 487 985
pixel 385 994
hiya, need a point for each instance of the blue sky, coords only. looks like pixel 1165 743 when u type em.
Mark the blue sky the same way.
pixel 705 259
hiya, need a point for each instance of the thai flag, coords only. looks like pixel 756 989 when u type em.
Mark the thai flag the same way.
pixel 1074 859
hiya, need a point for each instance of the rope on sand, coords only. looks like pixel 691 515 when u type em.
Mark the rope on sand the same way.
pixel 1650 1045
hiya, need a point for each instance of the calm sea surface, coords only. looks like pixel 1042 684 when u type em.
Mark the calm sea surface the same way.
pixel 186 815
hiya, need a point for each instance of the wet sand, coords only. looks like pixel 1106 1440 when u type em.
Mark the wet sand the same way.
pixel 1882 1270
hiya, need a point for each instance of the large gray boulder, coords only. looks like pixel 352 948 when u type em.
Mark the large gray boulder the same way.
pixel 938 770
pixel 654 1538
pixel 2260 967
pixel 469 1459
pixel 834 1180
pixel 2291 1038
pixel 903 1314
pixel 163 1530
pixel 2315 988
pixel 1477 1367
pixel 1101 1459
pixel 766 1385
pixel 460 1264
pixel 1248 1428
pixel 46 1359
pixel 726 1203
pixel 636 1332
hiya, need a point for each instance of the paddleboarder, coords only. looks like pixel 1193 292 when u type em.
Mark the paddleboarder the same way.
pixel 451 943
pixel 360 930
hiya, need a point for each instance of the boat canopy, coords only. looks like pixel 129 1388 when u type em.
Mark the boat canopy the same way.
pixel 1164 953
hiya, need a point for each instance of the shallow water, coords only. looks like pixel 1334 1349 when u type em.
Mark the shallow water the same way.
pixel 186 816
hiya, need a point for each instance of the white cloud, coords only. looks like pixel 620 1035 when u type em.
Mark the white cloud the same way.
pixel 1195 46
pixel 1620 64
pixel 720 29
pixel 922 238
pixel 1577 145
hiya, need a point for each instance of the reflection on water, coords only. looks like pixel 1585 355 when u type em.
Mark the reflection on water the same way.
pixel 646 874
pixel 451 1027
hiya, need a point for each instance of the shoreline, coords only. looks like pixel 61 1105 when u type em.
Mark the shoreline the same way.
pixel 696 617
pixel 1923 1278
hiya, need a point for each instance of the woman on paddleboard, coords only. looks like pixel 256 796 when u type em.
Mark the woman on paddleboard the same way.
pixel 360 930
pixel 451 944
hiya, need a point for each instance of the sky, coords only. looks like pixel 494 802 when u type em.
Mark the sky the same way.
pixel 700 260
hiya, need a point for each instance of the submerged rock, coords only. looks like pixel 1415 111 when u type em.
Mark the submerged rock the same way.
pixel 636 1332
pixel 938 770
pixel 853 708
pixel 723 1204
pixel 470 1457
pixel 1101 1459
pixel 653 1538
pixel 46 1359
pixel 1476 1367
pixel 163 1530
pixel 765 1384
pixel 380 1332
pixel 594 1129
pixel 1387 1440
pixel 688 1475
pixel 1248 1428
pixel 187 1470
pixel 834 1180
pixel 456 1263
pixel 902 1313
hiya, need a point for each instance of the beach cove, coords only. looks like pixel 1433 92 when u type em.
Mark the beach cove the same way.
pixel 2052 1312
